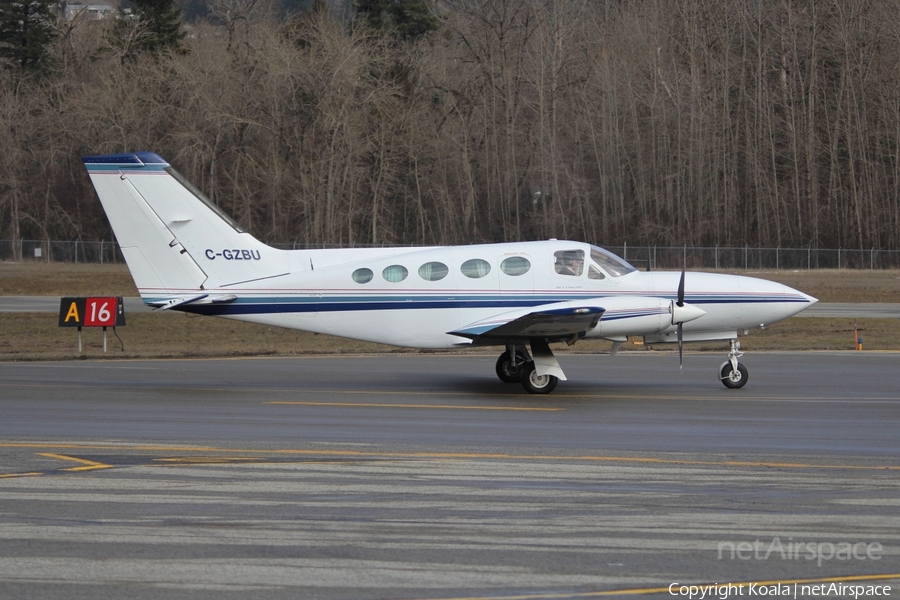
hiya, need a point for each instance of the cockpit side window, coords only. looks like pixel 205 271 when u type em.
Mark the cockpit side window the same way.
pixel 595 273
pixel 569 262
pixel 610 263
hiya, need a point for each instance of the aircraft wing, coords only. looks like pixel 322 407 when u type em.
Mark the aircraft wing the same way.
pixel 557 321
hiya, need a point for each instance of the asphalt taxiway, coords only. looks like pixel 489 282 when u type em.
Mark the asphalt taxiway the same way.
pixel 423 476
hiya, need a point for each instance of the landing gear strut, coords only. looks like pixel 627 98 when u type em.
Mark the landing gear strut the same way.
pixel 732 373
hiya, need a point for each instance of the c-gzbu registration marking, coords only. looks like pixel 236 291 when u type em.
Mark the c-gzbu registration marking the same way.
pixel 234 254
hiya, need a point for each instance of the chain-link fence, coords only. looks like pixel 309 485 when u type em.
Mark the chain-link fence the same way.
pixel 654 257
pixel 749 258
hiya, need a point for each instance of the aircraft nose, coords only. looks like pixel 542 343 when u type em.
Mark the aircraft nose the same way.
pixel 772 301
pixel 797 301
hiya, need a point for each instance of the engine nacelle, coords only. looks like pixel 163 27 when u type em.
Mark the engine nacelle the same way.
pixel 640 315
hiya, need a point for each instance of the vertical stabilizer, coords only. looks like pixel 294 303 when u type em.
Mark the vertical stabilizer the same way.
pixel 174 239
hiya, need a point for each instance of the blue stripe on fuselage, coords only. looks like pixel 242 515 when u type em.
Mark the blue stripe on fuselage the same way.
pixel 272 305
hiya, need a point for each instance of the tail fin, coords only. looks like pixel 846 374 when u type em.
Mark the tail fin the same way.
pixel 174 239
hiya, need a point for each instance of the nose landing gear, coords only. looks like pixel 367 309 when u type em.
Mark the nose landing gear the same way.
pixel 732 373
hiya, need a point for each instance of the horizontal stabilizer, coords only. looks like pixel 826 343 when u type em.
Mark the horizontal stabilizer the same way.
pixel 561 322
pixel 196 299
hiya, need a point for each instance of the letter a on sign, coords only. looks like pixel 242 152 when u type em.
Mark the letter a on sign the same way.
pixel 73 313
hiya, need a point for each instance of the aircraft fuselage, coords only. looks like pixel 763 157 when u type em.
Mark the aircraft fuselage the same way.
pixel 414 296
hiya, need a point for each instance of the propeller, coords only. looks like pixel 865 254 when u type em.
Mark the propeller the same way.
pixel 682 313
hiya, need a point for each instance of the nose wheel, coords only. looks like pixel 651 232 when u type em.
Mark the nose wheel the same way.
pixel 732 373
pixel 733 378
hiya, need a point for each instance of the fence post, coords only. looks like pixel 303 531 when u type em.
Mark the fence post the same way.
pixel 807 258
pixel 777 258
pixel 839 257
pixel 717 257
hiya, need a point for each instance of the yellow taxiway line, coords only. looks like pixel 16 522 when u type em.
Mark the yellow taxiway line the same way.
pixel 557 397
pixel 88 465
pixel 401 405
pixel 424 455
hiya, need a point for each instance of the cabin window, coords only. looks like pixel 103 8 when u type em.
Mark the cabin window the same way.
pixel 515 266
pixel 610 263
pixel 595 273
pixel 362 275
pixel 433 271
pixel 395 273
pixel 569 262
pixel 475 268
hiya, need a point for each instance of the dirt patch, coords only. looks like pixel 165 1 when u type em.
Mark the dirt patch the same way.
pixel 65 279
pixel 37 336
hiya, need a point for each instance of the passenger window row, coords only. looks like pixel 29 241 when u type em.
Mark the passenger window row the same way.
pixel 475 268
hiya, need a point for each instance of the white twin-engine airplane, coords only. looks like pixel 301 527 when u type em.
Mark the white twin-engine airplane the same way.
pixel 185 254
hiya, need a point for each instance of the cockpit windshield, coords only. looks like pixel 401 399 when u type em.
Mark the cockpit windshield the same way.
pixel 610 263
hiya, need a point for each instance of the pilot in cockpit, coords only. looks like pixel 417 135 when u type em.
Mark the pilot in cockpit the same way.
pixel 569 262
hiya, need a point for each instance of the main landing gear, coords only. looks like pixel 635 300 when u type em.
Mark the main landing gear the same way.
pixel 732 373
pixel 516 365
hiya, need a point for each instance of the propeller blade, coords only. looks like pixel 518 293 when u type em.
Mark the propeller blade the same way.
pixel 680 304
pixel 680 347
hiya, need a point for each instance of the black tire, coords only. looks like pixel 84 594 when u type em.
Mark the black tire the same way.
pixel 734 379
pixel 537 384
pixel 507 372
